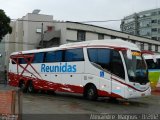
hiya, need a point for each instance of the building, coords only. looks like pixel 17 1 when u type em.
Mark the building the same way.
pixel 26 32
pixel 145 23
pixel 74 31
pixel 35 31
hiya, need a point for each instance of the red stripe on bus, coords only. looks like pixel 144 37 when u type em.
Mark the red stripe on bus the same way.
pixel 47 85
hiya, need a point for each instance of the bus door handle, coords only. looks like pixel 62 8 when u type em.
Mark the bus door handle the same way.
pixel 45 75
pixel 55 75
pixel 71 75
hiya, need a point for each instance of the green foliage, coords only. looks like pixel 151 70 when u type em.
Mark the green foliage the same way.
pixel 5 27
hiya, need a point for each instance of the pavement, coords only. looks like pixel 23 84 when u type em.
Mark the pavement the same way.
pixel 69 106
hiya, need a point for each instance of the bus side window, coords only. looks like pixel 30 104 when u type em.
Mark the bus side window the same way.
pixel 54 56
pixel 104 58
pixel 100 56
pixel 74 55
pixel 22 61
pixel 38 58
pixel 13 61
pixel 117 65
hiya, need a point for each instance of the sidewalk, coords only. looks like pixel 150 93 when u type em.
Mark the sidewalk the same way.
pixel 7 87
pixel 10 103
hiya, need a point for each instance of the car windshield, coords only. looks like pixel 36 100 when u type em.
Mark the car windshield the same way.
pixel 136 68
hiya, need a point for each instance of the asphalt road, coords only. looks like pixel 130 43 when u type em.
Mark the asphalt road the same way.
pixel 73 104
pixel 68 107
pixel 59 103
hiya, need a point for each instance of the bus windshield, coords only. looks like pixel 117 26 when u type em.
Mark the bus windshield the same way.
pixel 153 65
pixel 136 68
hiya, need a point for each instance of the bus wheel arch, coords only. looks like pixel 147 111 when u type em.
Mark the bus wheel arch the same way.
pixel 90 91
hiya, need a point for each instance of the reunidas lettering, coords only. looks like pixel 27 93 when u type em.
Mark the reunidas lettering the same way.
pixel 58 68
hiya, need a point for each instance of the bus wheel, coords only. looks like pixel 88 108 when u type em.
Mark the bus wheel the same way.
pixel 91 93
pixel 31 87
pixel 22 86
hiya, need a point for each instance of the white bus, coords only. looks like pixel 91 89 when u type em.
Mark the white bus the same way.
pixel 108 68
pixel 153 62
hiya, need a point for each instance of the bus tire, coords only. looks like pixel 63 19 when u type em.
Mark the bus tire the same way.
pixel 30 87
pixel 91 93
pixel 22 86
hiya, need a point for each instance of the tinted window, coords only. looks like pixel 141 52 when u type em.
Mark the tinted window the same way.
pixel 13 61
pixel 100 56
pixel 22 61
pixel 81 35
pixel 54 56
pixel 100 36
pixel 74 55
pixel 38 58
pixel 158 63
pixel 117 65
pixel 152 65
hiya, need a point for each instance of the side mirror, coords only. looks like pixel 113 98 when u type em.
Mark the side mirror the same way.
pixel 129 54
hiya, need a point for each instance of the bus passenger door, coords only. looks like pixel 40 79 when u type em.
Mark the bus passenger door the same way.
pixel 118 75
pixel 97 70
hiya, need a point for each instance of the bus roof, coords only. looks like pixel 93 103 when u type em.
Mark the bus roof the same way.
pixel 149 56
pixel 107 42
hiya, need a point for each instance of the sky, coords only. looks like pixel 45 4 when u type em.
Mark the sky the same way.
pixel 80 10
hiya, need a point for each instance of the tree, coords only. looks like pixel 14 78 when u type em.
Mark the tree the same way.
pixel 5 27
